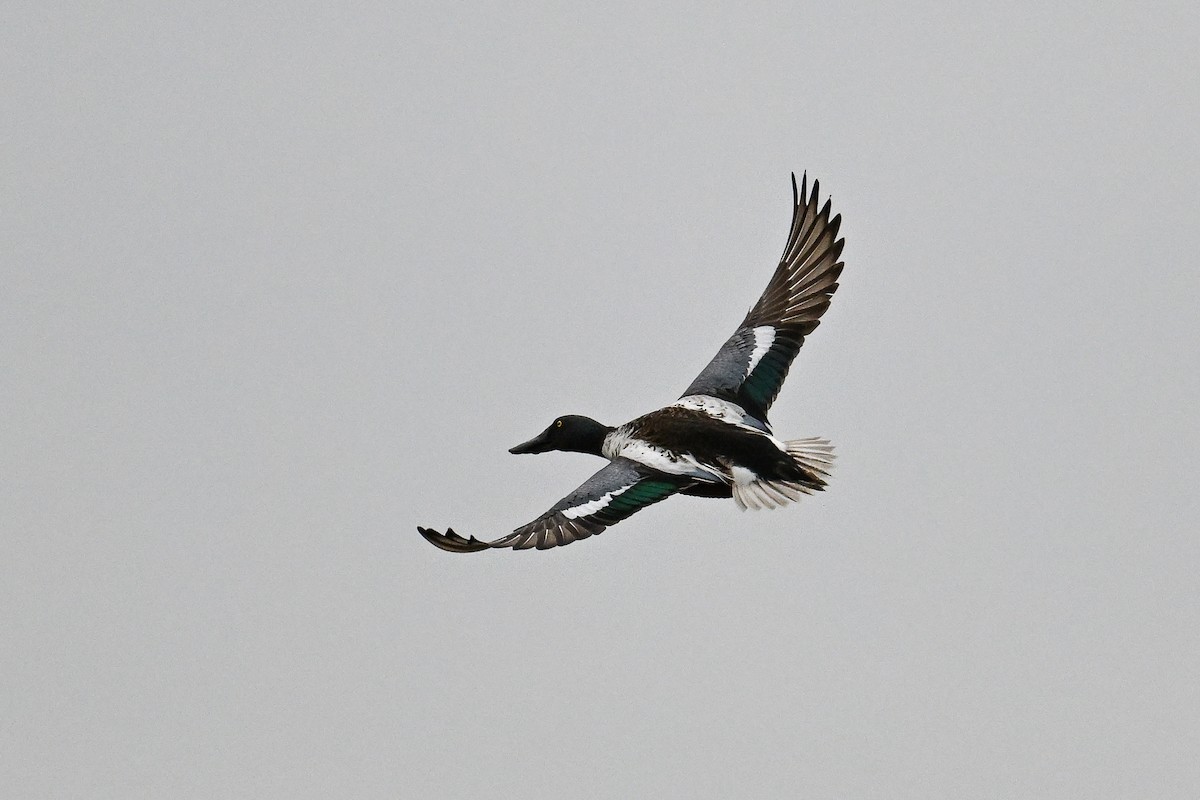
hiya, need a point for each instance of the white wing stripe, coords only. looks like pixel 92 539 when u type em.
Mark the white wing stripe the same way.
pixel 592 506
pixel 764 337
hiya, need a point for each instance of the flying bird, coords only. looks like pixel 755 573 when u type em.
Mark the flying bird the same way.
pixel 715 440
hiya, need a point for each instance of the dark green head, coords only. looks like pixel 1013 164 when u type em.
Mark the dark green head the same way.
pixel 572 433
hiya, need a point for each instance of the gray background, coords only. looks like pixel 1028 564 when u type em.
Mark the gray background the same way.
pixel 281 284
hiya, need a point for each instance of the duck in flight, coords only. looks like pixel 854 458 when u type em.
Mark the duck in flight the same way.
pixel 715 440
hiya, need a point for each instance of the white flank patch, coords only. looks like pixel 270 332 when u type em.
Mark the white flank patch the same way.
pixel 592 506
pixel 620 444
pixel 743 476
pixel 764 337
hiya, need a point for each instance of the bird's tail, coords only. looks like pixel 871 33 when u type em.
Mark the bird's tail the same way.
pixel 813 455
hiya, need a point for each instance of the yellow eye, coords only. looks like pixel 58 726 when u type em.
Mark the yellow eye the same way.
pixel 558 423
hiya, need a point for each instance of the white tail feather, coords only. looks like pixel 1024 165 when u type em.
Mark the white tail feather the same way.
pixel 815 455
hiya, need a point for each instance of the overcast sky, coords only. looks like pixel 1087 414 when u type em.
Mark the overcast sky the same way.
pixel 281 284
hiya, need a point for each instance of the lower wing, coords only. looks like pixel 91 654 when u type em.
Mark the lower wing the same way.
pixel 620 489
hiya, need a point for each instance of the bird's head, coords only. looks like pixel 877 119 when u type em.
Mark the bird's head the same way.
pixel 572 433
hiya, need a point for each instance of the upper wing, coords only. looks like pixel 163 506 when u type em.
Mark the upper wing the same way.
pixel 612 494
pixel 750 367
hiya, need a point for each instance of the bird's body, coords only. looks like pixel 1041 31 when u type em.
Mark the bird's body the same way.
pixel 701 442
pixel 715 440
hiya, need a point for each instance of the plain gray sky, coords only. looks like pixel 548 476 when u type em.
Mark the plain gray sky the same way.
pixel 281 283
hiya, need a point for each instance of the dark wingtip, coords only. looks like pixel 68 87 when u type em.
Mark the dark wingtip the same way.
pixel 795 194
pixel 451 542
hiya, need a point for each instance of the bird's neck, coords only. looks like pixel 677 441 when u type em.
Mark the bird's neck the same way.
pixel 591 441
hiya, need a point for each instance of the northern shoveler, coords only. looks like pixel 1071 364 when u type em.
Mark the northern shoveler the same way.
pixel 715 440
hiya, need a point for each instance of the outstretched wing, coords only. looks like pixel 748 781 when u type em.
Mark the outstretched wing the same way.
pixel 612 494
pixel 749 369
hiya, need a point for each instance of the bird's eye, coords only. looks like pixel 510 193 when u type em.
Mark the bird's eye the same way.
pixel 558 423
